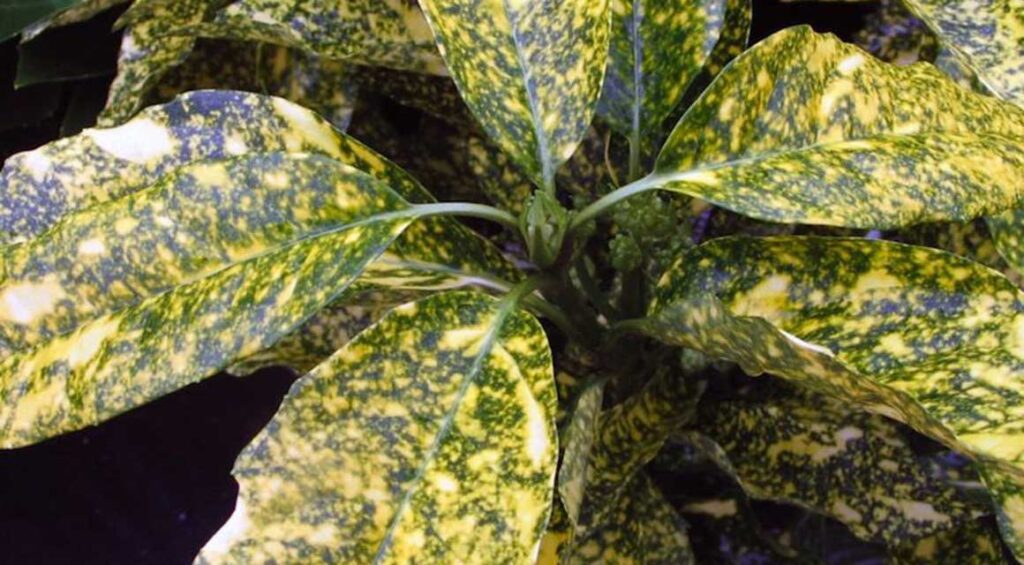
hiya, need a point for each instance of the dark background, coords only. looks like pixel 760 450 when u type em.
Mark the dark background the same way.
pixel 152 485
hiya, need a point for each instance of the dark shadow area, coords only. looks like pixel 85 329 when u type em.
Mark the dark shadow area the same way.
pixel 150 486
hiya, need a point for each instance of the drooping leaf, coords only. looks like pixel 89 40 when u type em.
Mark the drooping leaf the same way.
pixel 16 15
pixel 642 528
pixel 804 128
pixel 658 47
pixel 131 299
pixel 148 52
pixel 530 72
pixel 853 466
pixel 912 333
pixel 430 437
pixel 388 33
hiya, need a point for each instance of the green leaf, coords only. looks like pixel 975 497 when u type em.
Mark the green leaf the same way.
pixel 80 11
pixel 530 72
pixel 804 128
pixel 430 436
pixel 578 441
pixel 911 333
pixel 642 528
pixel 388 33
pixel 131 299
pixel 15 15
pixel 658 47
pixel 855 467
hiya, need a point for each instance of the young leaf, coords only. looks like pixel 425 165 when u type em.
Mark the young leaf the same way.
pixel 531 72
pixel 429 436
pixel 855 467
pixel 804 128
pixel 912 333
pixel 128 300
pixel 658 47
pixel 387 33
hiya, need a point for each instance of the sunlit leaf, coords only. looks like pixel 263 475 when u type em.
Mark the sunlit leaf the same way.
pixel 430 436
pixel 530 72
pixel 804 128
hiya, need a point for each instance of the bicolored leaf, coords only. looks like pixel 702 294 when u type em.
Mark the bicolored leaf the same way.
pixel 147 53
pixel 128 300
pixel 629 436
pixel 578 440
pixel 855 467
pixel 658 47
pixel 985 36
pixel 80 11
pixel 430 436
pixel 911 333
pixel 642 528
pixel 387 33
pixel 803 128
pixel 531 72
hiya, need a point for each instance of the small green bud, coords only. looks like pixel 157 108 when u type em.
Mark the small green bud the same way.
pixel 626 254
pixel 544 223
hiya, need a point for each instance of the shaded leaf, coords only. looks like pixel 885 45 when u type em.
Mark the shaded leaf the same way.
pixel 577 441
pixel 855 467
pixel 15 15
pixel 81 11
pixel 912 333
pixel 429 436
pixel 804 128
pixel 530 72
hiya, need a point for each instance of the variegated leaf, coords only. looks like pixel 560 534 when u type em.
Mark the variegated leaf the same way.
pixel 577 442
pixel 429 437
pixel 127 300
pixel 642 528
pixel 855 467
pixel 986 36
pixel 658 47
pixel 15 15
pixel 389 33
pixel 911 333
pixel 80 11
pixel 804 128
pixel 531 72
pixel 147 53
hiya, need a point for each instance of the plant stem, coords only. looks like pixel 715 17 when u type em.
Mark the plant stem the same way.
pixel 604 203
pixel 466 209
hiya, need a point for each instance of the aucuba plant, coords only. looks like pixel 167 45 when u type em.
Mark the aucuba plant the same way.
pixel 552 360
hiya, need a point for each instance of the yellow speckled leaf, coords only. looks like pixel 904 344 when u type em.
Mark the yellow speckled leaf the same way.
pixel 803 128
pixel 531 72
pixel 429 437
pixel 642 528
pixel 658 47
pixel 629 436
pixel 127 300
pixel 916 334
pixel 856 467
pixel 389 33
pixel 577 441
pixel 147 53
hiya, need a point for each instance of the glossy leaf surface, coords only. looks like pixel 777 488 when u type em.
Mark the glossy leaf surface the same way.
pixel 531 72
pixel 430 436
pixel 804 128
